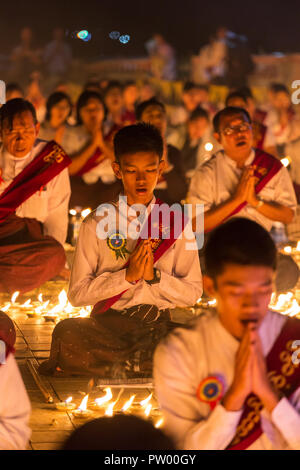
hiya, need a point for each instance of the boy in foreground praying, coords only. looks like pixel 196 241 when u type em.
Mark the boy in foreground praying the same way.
pixel 232 380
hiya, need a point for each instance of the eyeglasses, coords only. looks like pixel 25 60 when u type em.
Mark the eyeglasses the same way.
pixel 236 129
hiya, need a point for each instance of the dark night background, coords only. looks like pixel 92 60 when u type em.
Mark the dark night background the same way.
pixel 186 24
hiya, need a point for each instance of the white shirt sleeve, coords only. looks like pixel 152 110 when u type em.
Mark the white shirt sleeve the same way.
pixel 184 420
pixel 15 408
pixel 56 223
pixel 286 418
pixel 203 186
pixel 284 190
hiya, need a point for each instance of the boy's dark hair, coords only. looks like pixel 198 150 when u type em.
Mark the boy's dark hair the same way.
pixel 10 87
pixel 14 107
pixel 55 98
pixel 145 104
pixel 112 84
pixel 140 137
pixel 278 87
pixel 229 111
pixel 235 94
pixel 120 432
pixel 239 241
pixel 198 113
pixel 246 91
pixel 83 101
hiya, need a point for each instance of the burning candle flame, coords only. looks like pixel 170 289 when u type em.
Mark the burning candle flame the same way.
pixel 108 396
pixel 83 404
pixel 41 307
pixel 128 403
pixel 14 296
pixel 85 212
pixel 27 303
pixel 40 298
pixel 148 410
pixel 159 423
pixel 4 309
pixel 63 300
pixel 146 401
pixel 110 409
pixel 68 400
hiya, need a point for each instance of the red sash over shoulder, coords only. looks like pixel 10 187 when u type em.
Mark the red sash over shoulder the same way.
pixel 267 166
pixel 167 237
pixel 285 377
pixel 43 168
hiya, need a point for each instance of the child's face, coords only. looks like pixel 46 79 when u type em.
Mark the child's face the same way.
pixel 139 173
pixel 243 293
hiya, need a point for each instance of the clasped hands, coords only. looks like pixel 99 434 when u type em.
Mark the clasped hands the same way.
pixel 250 374
pixel 141 263
pixel 246 187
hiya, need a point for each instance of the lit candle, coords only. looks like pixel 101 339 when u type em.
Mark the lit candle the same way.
pixel 66 405
pixel 82 411
pixel 101 402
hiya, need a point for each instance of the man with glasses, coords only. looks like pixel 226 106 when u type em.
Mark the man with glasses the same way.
pixel 246 182
pixel 240 180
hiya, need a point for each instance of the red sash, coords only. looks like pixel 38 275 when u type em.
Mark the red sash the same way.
pixel 159 247
pixel 44 167
pixel 285 377
pixel 267 167
pixel 91 163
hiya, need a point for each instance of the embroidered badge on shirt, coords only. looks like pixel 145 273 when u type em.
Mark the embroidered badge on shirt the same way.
pixel 211 390
pixel 117 243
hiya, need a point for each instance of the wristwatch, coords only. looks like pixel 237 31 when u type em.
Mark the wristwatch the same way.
pixel 156 278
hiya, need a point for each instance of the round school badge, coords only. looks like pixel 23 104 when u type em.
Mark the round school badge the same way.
pixel 211 391
pixel 117 243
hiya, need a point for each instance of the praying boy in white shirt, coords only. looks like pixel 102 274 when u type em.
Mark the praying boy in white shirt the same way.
pixel 232 379
pixel 131 283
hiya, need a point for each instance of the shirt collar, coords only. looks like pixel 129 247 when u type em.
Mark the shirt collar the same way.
pixel 233 163
pixel 9 156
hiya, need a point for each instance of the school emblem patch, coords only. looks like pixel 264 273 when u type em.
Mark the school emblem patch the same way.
pixel 117 243
pixel 211 391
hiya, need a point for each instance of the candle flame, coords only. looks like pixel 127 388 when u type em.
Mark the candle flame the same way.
pixel 40 298
pixel 148 410
pixel 286 161
pixel 298 246
pixel 146 401
pixel 110 409
pixel 159 423
pixel 4 309
pixel 108 396
pixel 128 403
pixel 86 212
pixel 208 146
pixel 27 303
pixel 63 300
pixel 68 400
pixel 83 404
pixel 287 249
pixel 41 307
pixel 14 296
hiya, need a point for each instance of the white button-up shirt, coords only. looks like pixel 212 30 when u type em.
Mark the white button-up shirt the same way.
pixel 217 179
pixel 15 408
pixel 187 357
pixel 98 275
pixel 50 205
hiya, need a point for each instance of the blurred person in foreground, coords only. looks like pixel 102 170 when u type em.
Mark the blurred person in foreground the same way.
pixel 231 378
pixel 120 432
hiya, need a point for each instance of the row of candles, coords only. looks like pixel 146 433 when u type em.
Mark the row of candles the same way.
pixel 107 404
pixel 43 309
